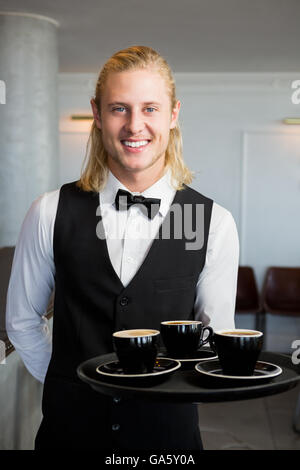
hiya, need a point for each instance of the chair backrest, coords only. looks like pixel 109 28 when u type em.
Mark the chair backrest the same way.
pixel 247 296
pixel 6 259
pixel 281 291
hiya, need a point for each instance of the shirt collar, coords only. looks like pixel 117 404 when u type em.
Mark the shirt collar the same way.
pixel 162 189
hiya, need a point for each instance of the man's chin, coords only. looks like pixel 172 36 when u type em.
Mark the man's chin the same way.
pixel 136 168
pixel 133 164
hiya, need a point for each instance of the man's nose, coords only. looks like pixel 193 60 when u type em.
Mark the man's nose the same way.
pixel 135 123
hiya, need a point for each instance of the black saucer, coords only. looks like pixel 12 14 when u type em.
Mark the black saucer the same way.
pixel 113 371
pixel 188 361
pixel 263 372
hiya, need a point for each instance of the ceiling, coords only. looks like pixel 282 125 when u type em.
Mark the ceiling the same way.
pixel 193 35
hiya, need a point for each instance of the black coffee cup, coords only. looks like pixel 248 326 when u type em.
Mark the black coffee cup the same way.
pixel 182 338
pixel 238 350
pixel 136 349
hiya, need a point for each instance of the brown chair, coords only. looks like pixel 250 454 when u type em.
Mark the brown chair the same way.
pixel 247 296
pixel 6 259
pixel 281 291
pixel 281 296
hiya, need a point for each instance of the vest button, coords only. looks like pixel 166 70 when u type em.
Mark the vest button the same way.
pixel 124 301
pixel 115 427
pixel 117 400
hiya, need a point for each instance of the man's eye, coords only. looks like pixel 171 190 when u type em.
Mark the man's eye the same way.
pixel 150 109
pixel 120 108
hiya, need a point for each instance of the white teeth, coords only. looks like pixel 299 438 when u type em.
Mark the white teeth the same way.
pixel 135 144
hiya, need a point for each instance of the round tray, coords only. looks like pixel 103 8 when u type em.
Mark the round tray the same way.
pixel 188 386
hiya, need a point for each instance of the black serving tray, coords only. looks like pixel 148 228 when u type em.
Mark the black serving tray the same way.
pixel 188 386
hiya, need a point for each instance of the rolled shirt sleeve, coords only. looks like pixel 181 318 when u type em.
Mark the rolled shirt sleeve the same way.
pixel 30 287
pixel 217 284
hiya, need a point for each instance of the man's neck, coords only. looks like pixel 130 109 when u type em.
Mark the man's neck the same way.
pixel 138 181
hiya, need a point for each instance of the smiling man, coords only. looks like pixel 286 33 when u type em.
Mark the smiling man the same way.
pixel 109 283
pixel 136 118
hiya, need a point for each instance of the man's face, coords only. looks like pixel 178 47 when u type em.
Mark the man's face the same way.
pixel 135 119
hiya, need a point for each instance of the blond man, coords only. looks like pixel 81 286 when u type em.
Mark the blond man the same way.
pixel 122 275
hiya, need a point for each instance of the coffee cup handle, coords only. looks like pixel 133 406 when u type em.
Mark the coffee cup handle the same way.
pixel 209 336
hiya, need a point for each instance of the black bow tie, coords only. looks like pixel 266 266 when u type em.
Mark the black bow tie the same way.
pixel 124 199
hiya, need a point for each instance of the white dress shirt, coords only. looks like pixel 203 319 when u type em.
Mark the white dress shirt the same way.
pixel 129 235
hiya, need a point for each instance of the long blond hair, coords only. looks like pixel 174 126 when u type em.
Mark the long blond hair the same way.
pixel 95 170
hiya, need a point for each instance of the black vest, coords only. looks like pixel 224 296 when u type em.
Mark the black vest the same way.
pixel 90 300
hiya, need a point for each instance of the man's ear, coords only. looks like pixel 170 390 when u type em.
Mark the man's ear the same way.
pixel 96 113
pixel 174 115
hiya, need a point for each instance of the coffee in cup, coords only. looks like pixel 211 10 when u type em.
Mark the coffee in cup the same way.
pixel 182 338
pixel 136 349
pixel 238 350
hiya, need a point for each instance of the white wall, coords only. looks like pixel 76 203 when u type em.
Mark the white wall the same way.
pixel 244 157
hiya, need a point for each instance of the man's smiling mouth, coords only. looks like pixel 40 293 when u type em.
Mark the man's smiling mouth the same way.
pixel 135 144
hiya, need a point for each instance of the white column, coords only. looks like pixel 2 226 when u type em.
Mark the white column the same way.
pixel 29 149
